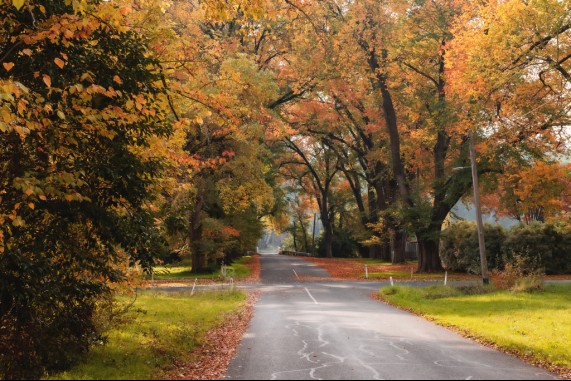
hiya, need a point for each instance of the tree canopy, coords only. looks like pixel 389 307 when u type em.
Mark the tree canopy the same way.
pixel 129 130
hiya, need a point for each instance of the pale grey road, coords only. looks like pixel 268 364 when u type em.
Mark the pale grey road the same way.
pixel 335 331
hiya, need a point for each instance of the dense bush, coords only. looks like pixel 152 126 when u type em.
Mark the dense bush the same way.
pixel 460 250
pixel 343 245
pixel 545 246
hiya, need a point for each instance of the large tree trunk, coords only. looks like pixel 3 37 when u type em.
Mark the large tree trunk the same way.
pixel 428 249
pixel 428 257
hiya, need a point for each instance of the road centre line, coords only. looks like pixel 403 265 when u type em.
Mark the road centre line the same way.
pixel 297 276
pixel 311 296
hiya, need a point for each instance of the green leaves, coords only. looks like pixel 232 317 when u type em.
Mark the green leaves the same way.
pixel 73 177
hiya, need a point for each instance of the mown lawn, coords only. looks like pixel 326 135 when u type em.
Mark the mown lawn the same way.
pixel 162 328
pixel 183 270
pixel 534 325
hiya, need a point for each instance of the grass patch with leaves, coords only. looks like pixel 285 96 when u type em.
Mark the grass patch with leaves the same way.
pixel 534 326
pixel 161 328
pixel 354 269
pixel 183 271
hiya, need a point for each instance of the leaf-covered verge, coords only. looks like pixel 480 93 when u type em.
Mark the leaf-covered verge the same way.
pixel 354 269
pixel 170 336
pixel 531 326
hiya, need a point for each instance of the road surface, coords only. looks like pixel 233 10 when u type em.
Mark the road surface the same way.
pixel 334 330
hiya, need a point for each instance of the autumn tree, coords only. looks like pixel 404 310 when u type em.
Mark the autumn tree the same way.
pixel 388 110
pixel 512 69
pixel 314 168
pixel 78 94
pixel 301 212
pixel 214 70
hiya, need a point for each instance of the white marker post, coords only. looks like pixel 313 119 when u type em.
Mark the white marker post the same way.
pixel 392 283
pixel 366 272
pixel 445 278
pixel 193 286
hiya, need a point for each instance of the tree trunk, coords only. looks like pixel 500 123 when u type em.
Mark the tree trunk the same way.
pixel 328 242
pixel 364 251
pixel 305 238
pixel 199 257
pixel 399 248
pixel 428 256
pixel 376 203
pixel 294 236
pixel 384 252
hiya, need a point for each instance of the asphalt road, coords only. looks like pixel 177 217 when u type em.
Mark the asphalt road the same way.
pixel 334 330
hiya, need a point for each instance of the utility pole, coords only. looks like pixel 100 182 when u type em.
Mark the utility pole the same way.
pixel 481 241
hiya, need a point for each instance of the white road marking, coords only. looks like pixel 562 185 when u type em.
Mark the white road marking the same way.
pixel 311 296
pixel 297 276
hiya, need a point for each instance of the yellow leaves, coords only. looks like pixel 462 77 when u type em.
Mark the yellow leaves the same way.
pixel 87 77
pixel 76 89
pixel 8 65
pixel 117 80
pixel 18 3
pixel 18 221
pixel 140 101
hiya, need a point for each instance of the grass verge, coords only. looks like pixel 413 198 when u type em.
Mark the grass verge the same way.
pixel 354 269
pixel 163 329
pixel 183 271
pixel 533 326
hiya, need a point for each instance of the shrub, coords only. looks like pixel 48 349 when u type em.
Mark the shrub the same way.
pixel 545 245
pixel 460 250
pixel 521 274
pixel 344 245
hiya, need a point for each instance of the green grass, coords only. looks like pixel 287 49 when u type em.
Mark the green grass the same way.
pixel 536 325
pixel 377 262
pixel 386 274
pixel 164 327
pixel 183 270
